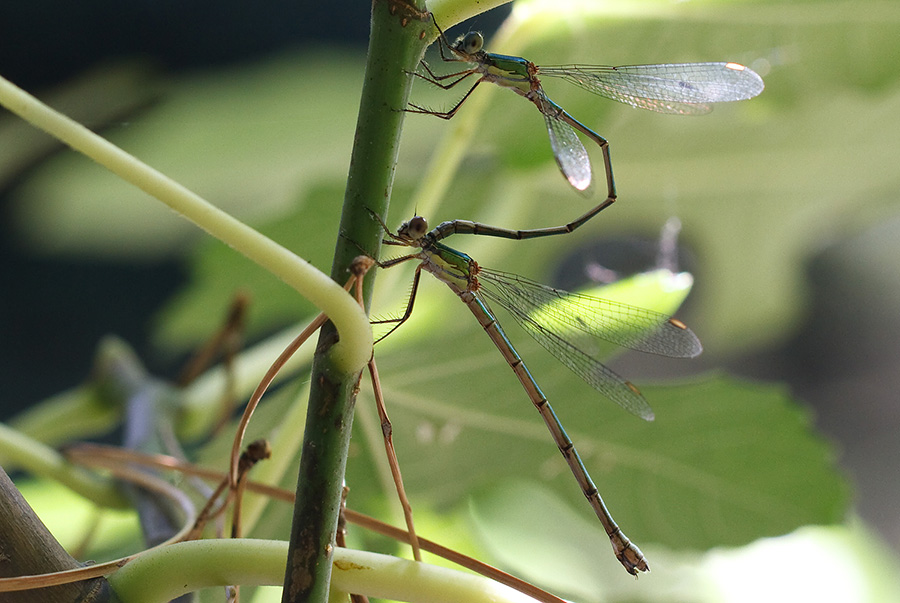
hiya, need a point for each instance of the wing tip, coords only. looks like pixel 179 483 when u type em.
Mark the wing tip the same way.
pixel 695 348
pixel 754 82
pixel 643 411
pixel 583 185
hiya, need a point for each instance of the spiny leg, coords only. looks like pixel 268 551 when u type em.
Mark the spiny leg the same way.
pixel 394 240
pixel 435 79
pixel 442 42
pixel 444 114
pixel 409 305
pixel 388 264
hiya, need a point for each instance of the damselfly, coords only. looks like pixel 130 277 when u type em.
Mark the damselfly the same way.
pixel 562 322
pixel 680 88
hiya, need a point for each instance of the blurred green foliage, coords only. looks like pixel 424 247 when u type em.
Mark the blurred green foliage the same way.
pixel 757 185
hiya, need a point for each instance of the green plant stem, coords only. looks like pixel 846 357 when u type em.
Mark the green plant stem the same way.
pixel 189 566
pixel 396 44
pixel 355 347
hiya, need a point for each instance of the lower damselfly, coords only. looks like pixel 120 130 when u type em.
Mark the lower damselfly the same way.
pixel 561 322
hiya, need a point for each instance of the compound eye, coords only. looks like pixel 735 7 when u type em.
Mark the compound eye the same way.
pixel 417 227
pixel 473 42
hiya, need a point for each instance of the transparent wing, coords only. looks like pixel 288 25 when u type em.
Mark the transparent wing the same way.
pixel 671 88
pixel 570 154
pixel 592 371
pixel 572 316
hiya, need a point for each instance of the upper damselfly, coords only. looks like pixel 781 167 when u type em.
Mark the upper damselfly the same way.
pixel 679 88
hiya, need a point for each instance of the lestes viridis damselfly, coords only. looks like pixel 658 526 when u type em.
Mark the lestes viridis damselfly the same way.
pixel 561 322
pixel 678 88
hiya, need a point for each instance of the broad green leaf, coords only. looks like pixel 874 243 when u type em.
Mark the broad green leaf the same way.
pixel 686 476
pixel 683 480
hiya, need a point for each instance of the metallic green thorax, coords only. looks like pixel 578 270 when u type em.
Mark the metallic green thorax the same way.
pixel 450 266
pixel 510 72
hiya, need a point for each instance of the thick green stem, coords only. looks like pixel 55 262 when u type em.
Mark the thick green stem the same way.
pixel 190 566
pixel 397 42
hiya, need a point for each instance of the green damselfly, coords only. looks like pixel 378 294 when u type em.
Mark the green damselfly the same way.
pixel 679 88
pixel 561 322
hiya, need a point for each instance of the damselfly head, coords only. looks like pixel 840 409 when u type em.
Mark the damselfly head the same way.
pixel 413 230
pixel 470 43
